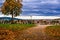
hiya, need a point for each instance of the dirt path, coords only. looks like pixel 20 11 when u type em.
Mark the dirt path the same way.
pixel 35 33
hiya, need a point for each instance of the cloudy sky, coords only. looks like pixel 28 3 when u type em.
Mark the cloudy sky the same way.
pixel 40 7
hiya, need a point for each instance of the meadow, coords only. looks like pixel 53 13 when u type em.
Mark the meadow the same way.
pixel 14 27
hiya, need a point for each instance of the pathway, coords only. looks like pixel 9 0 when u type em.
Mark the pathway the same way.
pixel 35 33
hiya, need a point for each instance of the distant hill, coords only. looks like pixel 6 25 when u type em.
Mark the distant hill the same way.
pixel 8 18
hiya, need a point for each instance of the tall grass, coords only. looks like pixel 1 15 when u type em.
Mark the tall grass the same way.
pixel 16 26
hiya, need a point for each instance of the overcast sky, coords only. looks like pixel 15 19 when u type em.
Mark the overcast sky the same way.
pixel 40 7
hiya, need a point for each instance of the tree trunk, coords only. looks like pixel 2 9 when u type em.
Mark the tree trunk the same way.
pixel 12 20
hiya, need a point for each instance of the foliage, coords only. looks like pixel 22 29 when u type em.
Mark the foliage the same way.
pixel 11 7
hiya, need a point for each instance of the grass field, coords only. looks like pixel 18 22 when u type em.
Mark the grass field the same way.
pixel 53 30
pixel 14 27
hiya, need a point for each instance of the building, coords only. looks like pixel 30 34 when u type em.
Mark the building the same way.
pixel 43 20
pixel 38 20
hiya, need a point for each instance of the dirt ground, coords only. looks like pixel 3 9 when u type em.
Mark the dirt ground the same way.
pixel 35 33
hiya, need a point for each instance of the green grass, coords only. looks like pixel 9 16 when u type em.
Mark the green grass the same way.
pixel 14 27
pixel 54 27
pixel 53 30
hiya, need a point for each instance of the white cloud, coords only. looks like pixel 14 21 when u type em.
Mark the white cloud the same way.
pixel 1 1
pixel 41 1
pixel 29 0
pixel 37 17
pixel 35 14
pixel 30 10
pixel 50 2
pixel 31 4
pixel 31 14
pixel 44 1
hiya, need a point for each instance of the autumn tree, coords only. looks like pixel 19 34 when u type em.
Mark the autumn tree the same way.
pixel 12 7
